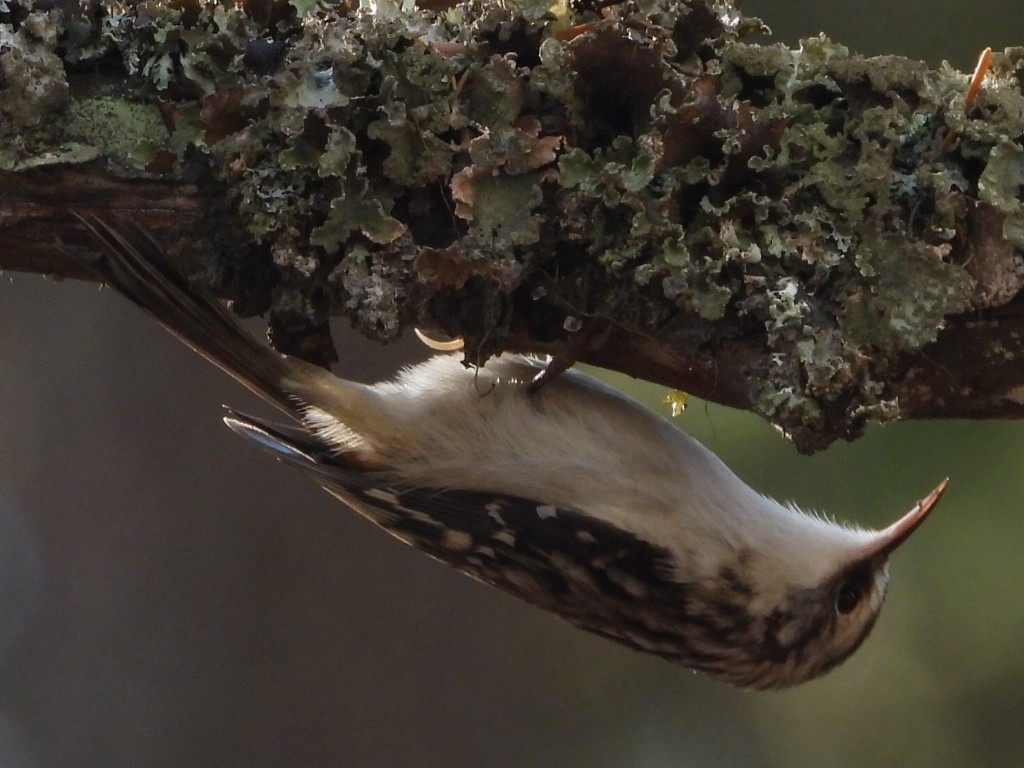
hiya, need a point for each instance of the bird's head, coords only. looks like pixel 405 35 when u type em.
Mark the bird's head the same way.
pixel 802 622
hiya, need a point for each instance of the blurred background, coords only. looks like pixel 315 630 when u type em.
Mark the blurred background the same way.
pixel 169 596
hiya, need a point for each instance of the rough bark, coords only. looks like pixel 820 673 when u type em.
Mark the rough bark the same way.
pixel 821 238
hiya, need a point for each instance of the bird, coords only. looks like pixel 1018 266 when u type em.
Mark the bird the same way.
pixel 572 496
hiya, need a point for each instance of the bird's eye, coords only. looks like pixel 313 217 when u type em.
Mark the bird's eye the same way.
pixel 849 595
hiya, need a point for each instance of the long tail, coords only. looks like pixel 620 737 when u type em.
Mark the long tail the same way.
pixel 136 265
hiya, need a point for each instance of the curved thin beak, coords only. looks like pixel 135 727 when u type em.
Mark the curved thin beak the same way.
pixel 890 538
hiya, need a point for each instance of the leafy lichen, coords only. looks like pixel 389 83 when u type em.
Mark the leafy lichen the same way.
pixel 645 163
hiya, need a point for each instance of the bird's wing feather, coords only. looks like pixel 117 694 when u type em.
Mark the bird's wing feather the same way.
pixel 488 535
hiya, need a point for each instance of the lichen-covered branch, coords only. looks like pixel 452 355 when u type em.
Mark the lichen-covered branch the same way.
pixel 818 237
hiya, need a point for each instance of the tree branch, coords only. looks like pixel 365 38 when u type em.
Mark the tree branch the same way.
pixel 818 237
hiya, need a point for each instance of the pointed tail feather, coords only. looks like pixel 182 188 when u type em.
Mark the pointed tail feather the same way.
pixel 136 266
pixel 342 412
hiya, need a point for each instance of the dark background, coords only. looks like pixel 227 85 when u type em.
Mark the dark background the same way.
pixel 169 596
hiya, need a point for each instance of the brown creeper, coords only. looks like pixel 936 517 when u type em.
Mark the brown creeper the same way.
pixel 574 498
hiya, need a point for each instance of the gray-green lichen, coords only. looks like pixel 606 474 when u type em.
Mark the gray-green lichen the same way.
pixel 112 126
pixel 34 87
pixel 646 164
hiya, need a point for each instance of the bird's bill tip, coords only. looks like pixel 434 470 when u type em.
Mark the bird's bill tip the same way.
pixel 890 538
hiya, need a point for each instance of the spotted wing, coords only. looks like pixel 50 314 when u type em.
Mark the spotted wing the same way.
pixel 561 559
